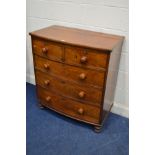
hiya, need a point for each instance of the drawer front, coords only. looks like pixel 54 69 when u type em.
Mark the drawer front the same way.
pixel 47 49
pixel 68 107
pixel 85 58
pixel 74 91
pixel 80 75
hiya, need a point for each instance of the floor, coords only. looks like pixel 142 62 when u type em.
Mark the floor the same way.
pixel 49 133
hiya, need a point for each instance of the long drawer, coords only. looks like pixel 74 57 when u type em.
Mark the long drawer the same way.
pixel 76 74
pixel 68 107
pixel 74 91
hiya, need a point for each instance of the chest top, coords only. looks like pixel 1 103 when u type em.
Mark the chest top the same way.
pixel 84 38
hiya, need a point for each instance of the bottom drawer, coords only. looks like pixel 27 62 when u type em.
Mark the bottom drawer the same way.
pixel 68 107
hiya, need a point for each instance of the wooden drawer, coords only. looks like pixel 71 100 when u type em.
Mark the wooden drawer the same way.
pixel 76 74
pixel 74 91
pixel 68 107
pixel 48 49
pixel 85 57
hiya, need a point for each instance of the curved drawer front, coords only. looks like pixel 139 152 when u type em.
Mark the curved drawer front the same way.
pixel 90 77
pixel 68 107
pixel 86 58
pixel 74 91
pixel 47 49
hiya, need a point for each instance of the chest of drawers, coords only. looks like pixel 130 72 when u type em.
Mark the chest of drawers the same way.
pixel 76 72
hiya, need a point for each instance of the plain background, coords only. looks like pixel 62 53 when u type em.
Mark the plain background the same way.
pixel 108 16
pixel 13 77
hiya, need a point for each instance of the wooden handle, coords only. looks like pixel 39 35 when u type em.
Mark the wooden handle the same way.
pixel 81 94
pixel 46 66
pixel 34 46
pixel 48 98
pixel 82 76
pixel 81 111
pixel 47 82
pixel 45 50
pixel 83 59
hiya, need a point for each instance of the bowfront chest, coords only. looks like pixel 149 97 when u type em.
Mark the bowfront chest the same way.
pixel 76 72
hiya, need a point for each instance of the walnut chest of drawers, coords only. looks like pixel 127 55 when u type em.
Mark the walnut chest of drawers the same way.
pixel 76 71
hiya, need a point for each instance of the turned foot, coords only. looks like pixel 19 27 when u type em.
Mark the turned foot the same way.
pixel 40 106
pixel 97 129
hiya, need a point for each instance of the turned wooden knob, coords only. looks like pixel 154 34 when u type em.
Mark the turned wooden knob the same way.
pixel 81 94
pixel 46 82
pixel 48 98
pixel 83 59
pixel 81 111
pixel 34 46
pixel 46 66
pixel 82 76
pixel 44 50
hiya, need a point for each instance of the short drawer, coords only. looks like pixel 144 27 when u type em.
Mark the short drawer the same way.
pixel 48 49
pixel 86 57
pixel 75 91
pixel 76 74
pixel 68 107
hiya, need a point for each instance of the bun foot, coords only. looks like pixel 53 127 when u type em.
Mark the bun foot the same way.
pixel 97 129
pixel 40 106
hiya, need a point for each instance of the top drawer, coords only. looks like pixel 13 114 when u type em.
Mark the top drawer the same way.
pixel 48 49
pixel 85 57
